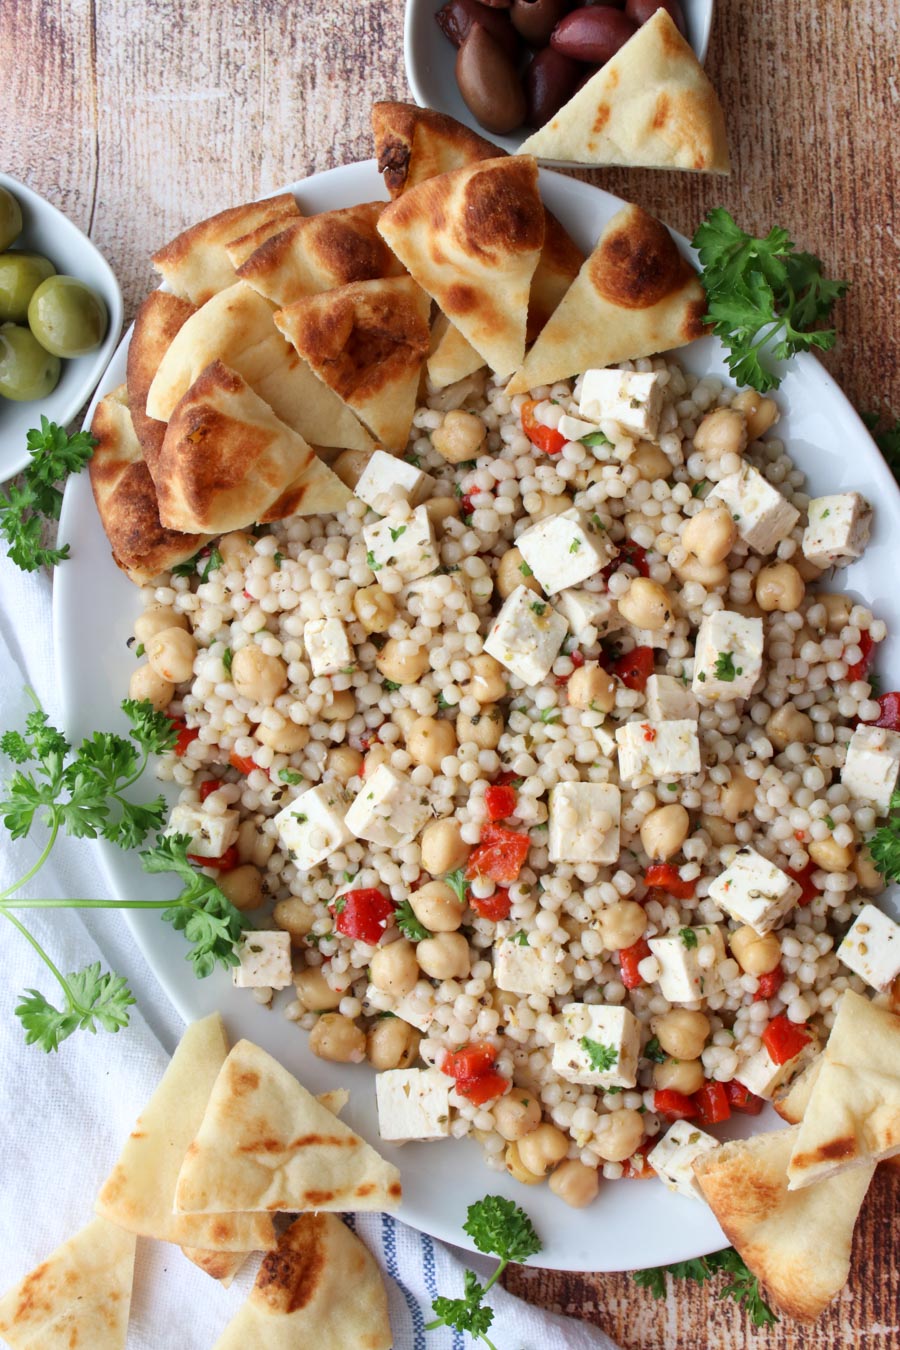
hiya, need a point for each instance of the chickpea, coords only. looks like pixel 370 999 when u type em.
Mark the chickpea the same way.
pixel 749 608
pixel 443 848
pixel 257 676
pixel 761 413
pixel 484 729
pixel 755 953
pixel 665 830
pixel 837 610
pixel 341 706
pixel 243 886
pixel 831 856
pixel 518 1113
pixel 401 667
pixel 336 1037
pixel 542 1149
pixel 437 906
pixel 394 968
pixel 155 619
pixel 646 604
pixel 441 509
pixel 445 957
pixel 711 534
pixel 552 505
pixel 511 573
pixel 867 874
pixel 344 762
pixel 619 1134
pixel 574 1183
pixel 252 845
pixel 430 740
pixel 592 687
pixel 350 466
pixel 682 1033
pixel 375 757
pixel 295 917
pixel 146 684
pixel 710 575
pixel 808 570
pixel 488 682
pixel 392 1044
pixel 517 1169
pixel 722 432
pixel 314 992
pixel 683 1075
pixel 787 725
pixel 287 740
pixel 459 437
pixel 720 830
pixel 171 654
pixel 374 608
pixel 738 796
pixel 780 587
pixel 621 924
pixel 651 462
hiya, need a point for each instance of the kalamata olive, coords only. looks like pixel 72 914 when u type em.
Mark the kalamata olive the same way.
pixel 588 74
pixel 593 34
pixel 642 10
pixel 536 19
pixel 496 4
pixel 550 81
pixel 489 82
pixel 457 17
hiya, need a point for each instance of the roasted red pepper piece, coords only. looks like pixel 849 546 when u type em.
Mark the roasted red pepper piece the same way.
pixel 631 555
pixel 362 914
pixel 769 984
pixel 808 891
pixel 495 907
pixel 243 763
pixel 636 1167
pixel 545 438
pixel 483 1088
pixel 208 787
pixel 469 1062
pixel 634 668
pixel 186 734
pixel 500 854
pixel 785 1039
pixel 712 1103
pixel 742 1099
pixel 664 877
pixel 674 1105
pixel 890 712
pixel 860 669
pixel 500 801
pixel 226 862
pixel 629 960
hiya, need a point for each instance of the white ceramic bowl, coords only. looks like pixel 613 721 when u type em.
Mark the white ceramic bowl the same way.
pixel 46 230
pixel 430 61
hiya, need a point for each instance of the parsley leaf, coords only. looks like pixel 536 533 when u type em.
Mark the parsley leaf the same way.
pixel 654 1051
pixel 458 884
pixel 409 925
pixel 595 438
pixel 201 911
pixel 884 845
pixel 688 937
pixel 92 998
pixel 213 561
pixel 725 669
pixel 742 1287
pixel 602 1057
pixel 26 506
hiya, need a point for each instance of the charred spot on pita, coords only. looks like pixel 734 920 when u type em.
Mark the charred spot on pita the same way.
pixel 638 264
pixel 501 209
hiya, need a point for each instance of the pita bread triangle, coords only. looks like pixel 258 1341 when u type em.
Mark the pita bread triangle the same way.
pixel 320 1287
pixel 156 323
pixel 472 239
pixel 139 1192
pixel 852 1118
pixel 239 250
pixel 266 1144
pixel 366 341
pixel 452 357
pixel 196 266
pixel 635 296
pixel 650 106
pixel 797 1243
pixel 79 1298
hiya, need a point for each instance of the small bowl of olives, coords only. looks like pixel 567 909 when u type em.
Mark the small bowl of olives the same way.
pixel 60 318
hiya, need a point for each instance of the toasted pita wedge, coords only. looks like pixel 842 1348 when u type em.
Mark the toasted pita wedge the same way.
pixel 852 1118
pixel 221 1266
pixel 78 1299
pixel 226 459
pixel 792 1104
pixel 265 1143
pixel 321 252
pixel 157 321
pixel 138 1193
pixel 126 498
pixel 650 106
pixel 797 1244
pixel 334 1101
pixel 367 342
pixel 196 266
pixel 635 296
pixel 472 239
pixel 237 327
pixel 320 1287
pixel 452 357
pixel 239 250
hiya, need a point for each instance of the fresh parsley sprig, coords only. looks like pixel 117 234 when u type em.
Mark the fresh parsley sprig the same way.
pixel 761 292
pixel 884 845
pixel 27 506
pixel 409 925
pixel 742 1287
pixel 498 1227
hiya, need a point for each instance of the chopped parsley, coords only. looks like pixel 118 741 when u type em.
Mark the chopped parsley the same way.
pixel 538 608
pixel 654 1051
pixel 227 658
pixel 726 670
pixel 575 546
pixel 550 715
pixel 139 649
pixel 214 561
pixel 829 821
pixel 409 925
pixel 395 534
pixel 525 570
pixel 290 776
pixel 602 1057
pixel 698 489
pixel 742 1287
pixel 520 938
pixel 391 686
pixel 372 565
pixel 595 438
pixel 688 937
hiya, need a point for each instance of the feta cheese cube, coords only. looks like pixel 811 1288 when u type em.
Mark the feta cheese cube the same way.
pixel 387 479
pixel 312 826
pixel 728 656
pixel 759 1073
pixel 566 549
pixel 584 822
pixel 672 1159
pixel 872 765
pixel 265 961
pixel 573 428
pixel 658 749
pixel 763 517
pixel 871 948
pixel 210 835
pixel 418 1006
pixel 526 636
pixel 522 969
pixel 838 530
pixel 682 978
pixel 327 646
pixel 601 1047
pixel 668 700
pixel 413 1104
pixel 389 810
pixel 406 545
pixel 587 609
pixel 632 398
pixel 754 891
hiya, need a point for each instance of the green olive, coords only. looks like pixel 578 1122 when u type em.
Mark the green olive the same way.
pixel 26 371
pixel 20 276
pixel 10 218
pixel 67 317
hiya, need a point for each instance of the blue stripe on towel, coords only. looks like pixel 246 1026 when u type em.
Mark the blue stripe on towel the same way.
pixel 389 1241
pixel 428 1262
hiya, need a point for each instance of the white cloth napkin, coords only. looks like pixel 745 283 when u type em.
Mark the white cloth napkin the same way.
pixel 63 1117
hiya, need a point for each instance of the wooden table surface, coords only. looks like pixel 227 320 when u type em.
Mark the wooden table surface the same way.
pixel 137 117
